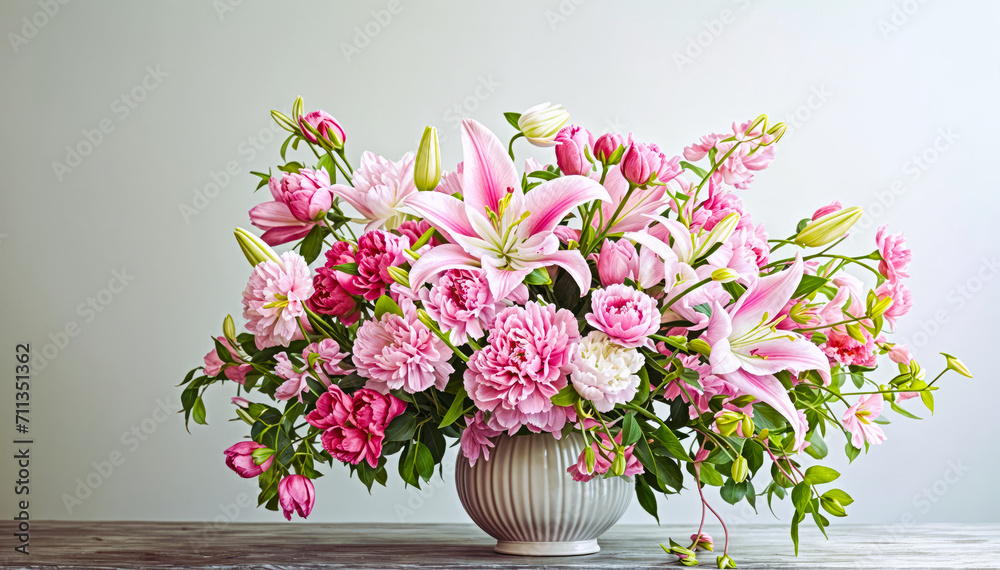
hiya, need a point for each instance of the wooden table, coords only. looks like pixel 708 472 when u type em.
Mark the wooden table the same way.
pixel 56 544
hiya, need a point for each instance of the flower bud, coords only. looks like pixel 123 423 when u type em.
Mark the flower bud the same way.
pixel 240 458
pixel 746 426
pixel 589 458
pixel 255 250
pixel 700 346
pixel 880 307
pixel 618 464
pixel 740 469
pixel 725 561
pixel 296 495
pixel 724 275
pixel 571 154
pixel 957 365
pixel 243 415
pixel 605 148
pixel 427 167
pixel 229 330
pixel 284 122
pixel 828 228
pixel 541 123
pixel 617 262
pixel 399 275
pixel 702 541
pixel 727 421
pixel 635 167
pixel 319 127
pixel 261 455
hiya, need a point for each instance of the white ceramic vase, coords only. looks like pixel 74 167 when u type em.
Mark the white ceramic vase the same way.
pixel 524 498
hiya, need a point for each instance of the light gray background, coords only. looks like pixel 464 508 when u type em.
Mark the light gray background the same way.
pixel 867 85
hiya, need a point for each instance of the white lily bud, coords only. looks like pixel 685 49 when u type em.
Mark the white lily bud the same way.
pixel 427 167
pixel 541 123
pixel 255 249
pixel 724 275
pixel 957 365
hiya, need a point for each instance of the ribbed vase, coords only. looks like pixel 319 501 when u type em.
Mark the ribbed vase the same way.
pixel 524 498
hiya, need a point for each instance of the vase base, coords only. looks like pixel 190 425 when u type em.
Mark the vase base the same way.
pixel 547 548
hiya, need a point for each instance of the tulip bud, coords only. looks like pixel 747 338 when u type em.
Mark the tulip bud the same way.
pixel 724 275
pixel 700 346
pixel 635 167
pixel 829 228
pixel 617 262
pixel 319 127
pixel 427 167
pixel 296 495
pixel 618 464
pixel 605 148
pixel 740 469
pixel 240 458
pixel 399 275
pixel 229 330
pixel 541 123
pixel 957 365
pixel 571 150
pixel 255 250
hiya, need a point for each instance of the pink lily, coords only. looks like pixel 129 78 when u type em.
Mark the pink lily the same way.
pixel 748 348
pixel 498 227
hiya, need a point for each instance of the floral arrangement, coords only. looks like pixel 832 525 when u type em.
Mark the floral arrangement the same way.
pixel 619 292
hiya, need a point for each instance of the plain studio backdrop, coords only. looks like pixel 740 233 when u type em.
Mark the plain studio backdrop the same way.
pixel 130 130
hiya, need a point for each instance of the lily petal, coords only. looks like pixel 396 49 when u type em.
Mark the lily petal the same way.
pixel 438 259
pixel 790 352
pixel 503 282
pixel 766 295
pixel 488 172
pixel 549 203
pixel 446 213
pixel 769 390
pixel 350 195
pixel 573 262
pixel 722 359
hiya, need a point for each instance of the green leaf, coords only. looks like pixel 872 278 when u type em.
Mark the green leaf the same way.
pixel 543 175
pixel 631 432
pixel 732 492
pixel 513 118
pixel 401 428
pixel 643 393
pixel 669 440
pixel 899 410
pixel 817 447
pixel 423 461
pixel 539 276
pixel 566 397
pixel 818 474
pixel 796 519
pixel 326 163
pixel 455 410
pixel 312 244
pixel 841 497
pixel 198 412
pixel 291 167
pixel 348 268
pixel 223 352
pixel 928 399
pixel 809 285
pixel 384 305
pixel 647 500
pixel 407 466
pixel 801 494
pixel 700 172
pixel 709 475
pixel 851 452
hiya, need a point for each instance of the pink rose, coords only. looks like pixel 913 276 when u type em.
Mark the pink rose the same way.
pixel 296 495
pixel 240 460
pixel 326 125
pixel 570 144
pixel 625 314
pixel 617 262
pixel 300 202
pixel 354 425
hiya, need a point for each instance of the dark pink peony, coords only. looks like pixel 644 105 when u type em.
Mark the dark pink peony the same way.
pixel 296 495
pixel 378 250
pixel 354 425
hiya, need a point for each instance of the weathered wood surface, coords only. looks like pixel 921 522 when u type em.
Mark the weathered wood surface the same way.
pixel 63 544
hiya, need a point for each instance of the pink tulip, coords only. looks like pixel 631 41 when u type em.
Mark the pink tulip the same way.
pixel 240 460
pixel 296 494
pixel 606 145
pixel 635 166
pixel 570 156
pixel 327 126
pixel 300 202
pixel 617 262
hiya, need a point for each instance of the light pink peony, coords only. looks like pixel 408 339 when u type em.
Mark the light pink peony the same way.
pixel 296 495
pixel 900 354
pixel 858 419
pixel 295 382
pixel 238 459
pixel 381 188
pixel 895 255
pixel 617 262
pixel 401 353
pixel 377 251
pixel 570 144
pixel 902 300
pixel 523 366
pixel 604 459
pixel 625 314
pixel 300 202
pixel 327 126
pixel 477 439
pixel 461 303
pixel 330 358
pixel 354 426
pixel 214 364
pixel 273 300
pixel 719 204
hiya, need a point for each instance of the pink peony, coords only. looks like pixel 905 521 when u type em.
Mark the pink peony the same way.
pixel 413 229
pixel 895 255
pixel 273 300
pixel 625 314
pixel 296 495
pixel 902 300
pixel 300 202
pixel 858 419
pixel 523 366
pixel 295 382
pixel 238 459
pixel 378 250
pixel 842 348
pixel 354 426
pixel 617 262
pixel 462 304
pixel 570 144
pixel 477 439
pixel 380 190
pixel 604 459
pixel 738 169
pixel 326 125
pixel 330 358
pixel 214 364
pixel 833 207
pixel 397 352
pixel 332 296
pixel 719 204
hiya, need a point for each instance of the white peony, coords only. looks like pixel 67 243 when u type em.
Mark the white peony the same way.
pixel 604 372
